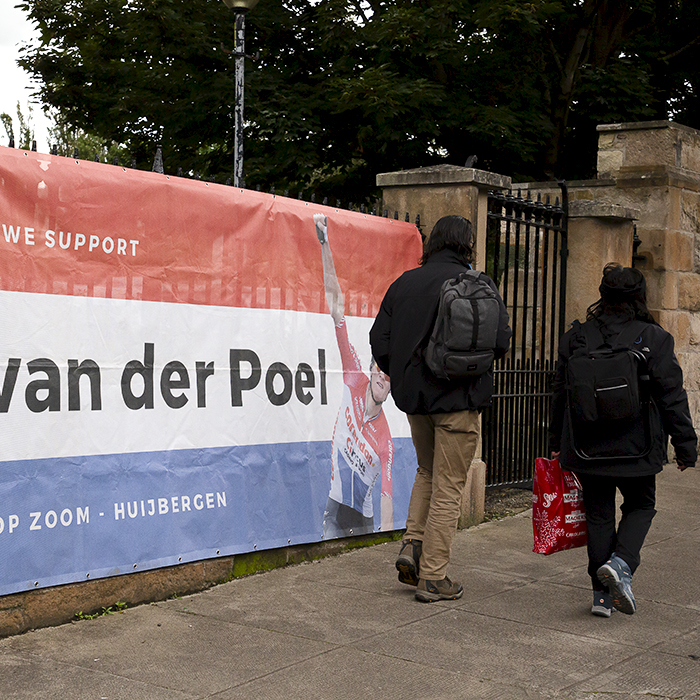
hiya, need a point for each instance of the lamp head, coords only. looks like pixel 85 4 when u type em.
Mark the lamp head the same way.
pixel 240 5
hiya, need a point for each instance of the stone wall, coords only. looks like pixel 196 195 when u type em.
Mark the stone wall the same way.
pixel 654 168
pixel 648 176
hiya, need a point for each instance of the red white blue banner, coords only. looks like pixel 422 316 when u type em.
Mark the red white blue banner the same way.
pixel 185 371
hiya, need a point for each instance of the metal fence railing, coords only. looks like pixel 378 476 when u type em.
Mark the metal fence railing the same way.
pixel 526 247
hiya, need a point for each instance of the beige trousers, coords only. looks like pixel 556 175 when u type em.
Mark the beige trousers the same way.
pixel 445 445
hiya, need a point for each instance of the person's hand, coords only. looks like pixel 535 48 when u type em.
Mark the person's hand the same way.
pixel 321 227
pixel 555 455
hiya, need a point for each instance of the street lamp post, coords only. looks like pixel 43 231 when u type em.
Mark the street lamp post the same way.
pixel 240 7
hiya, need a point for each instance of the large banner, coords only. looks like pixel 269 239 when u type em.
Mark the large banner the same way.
pixel 185 372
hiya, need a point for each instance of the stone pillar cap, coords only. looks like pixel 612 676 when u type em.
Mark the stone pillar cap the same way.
pixel 586 208
pixel 444 175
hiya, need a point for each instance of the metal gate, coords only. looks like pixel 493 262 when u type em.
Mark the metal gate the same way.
pixel 526 254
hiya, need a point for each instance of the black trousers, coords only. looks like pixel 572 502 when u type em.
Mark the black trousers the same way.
pixel 626 540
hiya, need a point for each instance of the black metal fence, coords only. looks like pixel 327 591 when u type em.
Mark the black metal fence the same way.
pixel 526 246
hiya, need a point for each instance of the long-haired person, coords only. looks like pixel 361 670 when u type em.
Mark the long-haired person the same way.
pixel 639 443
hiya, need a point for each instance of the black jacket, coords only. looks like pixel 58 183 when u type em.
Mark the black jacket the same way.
pixel 669 411
pixel 402 329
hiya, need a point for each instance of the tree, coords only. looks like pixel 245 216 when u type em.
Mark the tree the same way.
pixel 340 90
pixel 26 133
pixel 66 140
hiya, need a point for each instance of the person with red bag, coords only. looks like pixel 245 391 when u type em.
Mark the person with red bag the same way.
pixel 617 396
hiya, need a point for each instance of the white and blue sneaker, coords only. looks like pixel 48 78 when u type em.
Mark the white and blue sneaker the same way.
pixel 602 605
pixel 616 576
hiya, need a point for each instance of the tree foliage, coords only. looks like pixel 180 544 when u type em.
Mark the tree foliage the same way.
pixel 24 121
pixel 69 140
pixel 339 90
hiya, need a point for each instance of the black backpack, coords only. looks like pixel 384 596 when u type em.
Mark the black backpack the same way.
pixel 464 334
pixel 608 397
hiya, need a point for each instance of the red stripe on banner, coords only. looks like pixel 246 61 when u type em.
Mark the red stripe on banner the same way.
pixel 89 229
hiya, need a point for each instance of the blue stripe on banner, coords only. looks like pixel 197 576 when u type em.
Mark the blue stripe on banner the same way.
pixel 73 519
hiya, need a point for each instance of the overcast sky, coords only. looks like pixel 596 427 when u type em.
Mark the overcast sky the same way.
pixel 15 83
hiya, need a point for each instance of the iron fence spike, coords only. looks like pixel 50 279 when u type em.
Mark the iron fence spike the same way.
pixel 158 161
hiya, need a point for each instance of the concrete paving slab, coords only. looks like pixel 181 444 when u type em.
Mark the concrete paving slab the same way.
pixel 378 574
pixel 651 675
pixel 29 677
pixel 310 609
pixel 168 649
pixel 672 519
pixel 676 584
pixel 373 572
pixel 685 645
pixel 500 650
pixel 567 609
pixel 506 546
pixel 347 672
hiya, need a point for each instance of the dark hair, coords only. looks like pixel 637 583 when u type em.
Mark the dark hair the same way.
pixel 623 292
pixel 453 233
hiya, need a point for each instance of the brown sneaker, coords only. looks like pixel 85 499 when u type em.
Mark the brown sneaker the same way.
pixel 408 561
pixel 430 591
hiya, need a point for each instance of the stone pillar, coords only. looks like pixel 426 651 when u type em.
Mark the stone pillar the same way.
pixel 441 190
pixel 435 192
pixel 599 233
pixel 656 168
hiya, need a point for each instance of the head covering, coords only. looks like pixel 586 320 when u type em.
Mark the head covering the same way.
pixel 622 284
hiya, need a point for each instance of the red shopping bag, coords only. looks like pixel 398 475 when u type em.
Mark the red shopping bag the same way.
pixel 558 517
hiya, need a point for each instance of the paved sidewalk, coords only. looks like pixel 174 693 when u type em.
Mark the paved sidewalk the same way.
pixel 344 628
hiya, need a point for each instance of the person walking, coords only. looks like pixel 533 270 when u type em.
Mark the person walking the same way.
pixel 614 552
pixel 443 414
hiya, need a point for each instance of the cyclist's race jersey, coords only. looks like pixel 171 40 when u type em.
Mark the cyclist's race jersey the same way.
pixel 361 450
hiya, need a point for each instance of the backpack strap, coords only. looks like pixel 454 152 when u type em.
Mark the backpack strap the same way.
pixel 418 352
pixel 592 334
pixel 629 335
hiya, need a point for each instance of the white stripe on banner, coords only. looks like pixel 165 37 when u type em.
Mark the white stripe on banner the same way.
pixel 137 376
